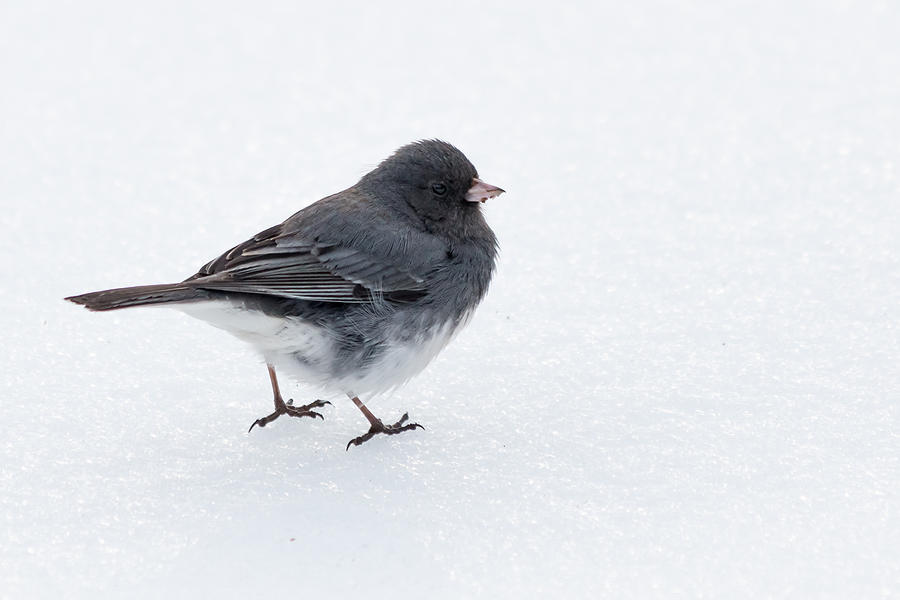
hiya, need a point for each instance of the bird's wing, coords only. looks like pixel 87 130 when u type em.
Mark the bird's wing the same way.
pixel 280 262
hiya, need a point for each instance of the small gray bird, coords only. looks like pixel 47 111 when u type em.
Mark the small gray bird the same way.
pixel 357 292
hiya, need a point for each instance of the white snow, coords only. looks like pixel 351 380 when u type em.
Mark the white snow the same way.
pixel 684 381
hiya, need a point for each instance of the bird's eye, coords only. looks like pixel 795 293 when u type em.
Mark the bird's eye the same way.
pixel 439 188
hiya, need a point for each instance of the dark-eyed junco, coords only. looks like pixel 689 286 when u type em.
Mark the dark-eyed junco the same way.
pixel 357 292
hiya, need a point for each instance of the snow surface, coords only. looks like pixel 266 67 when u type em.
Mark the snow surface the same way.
pixel 684 381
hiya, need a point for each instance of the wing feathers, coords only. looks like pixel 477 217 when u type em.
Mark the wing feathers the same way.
pixel 285 265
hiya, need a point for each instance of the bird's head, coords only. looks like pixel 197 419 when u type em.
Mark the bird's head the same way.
pixel 435 179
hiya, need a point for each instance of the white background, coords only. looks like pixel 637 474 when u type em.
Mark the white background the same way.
pixel 684 381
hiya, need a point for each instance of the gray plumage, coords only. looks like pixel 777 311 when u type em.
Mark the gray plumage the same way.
pixel 399 258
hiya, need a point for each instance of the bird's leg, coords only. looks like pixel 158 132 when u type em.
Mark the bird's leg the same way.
pixel 376 426
pixel 287 408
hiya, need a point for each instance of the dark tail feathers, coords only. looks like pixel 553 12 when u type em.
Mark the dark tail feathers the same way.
pixel 138 296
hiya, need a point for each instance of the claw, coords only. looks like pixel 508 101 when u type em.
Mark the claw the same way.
pixel 378 427
pixel 288 408
pixel 359 440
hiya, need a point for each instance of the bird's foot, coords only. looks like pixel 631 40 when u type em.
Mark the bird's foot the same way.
pixel 379 427
pixel 288 408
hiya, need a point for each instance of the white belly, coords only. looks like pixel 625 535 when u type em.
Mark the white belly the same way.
pixel 306 352
pixel 402 360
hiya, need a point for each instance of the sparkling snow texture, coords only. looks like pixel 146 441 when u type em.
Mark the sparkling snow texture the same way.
pixel 684 380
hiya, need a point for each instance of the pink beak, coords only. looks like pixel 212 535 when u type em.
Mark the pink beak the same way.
pixel 481 191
